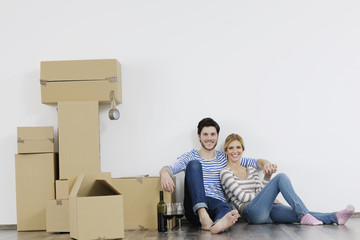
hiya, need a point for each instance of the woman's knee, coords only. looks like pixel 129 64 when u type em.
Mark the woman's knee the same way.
pixel 281 176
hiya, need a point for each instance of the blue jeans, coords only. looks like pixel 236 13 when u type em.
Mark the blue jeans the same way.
pixel 263 210
pixel 195 196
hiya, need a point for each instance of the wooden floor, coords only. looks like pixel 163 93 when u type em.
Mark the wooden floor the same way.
pixel 240 230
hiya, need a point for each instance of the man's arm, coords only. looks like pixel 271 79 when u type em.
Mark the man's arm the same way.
pixel 166 181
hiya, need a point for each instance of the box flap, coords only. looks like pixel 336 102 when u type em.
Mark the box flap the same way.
pixel 88 186
pixel 102 188
pixel 76 187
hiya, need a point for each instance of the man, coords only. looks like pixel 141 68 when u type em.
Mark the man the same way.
pixel 204 200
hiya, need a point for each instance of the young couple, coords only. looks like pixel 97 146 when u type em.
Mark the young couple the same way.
pixel 205 203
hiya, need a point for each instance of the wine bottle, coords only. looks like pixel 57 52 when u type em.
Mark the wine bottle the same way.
pixel 161 211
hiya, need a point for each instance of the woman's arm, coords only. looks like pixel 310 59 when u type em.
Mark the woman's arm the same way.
pixel 267 167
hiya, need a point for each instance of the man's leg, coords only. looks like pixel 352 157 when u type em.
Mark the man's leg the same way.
pixel 223 214
pixel 195 202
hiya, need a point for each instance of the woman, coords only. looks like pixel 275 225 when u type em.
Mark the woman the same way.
pixel 255 201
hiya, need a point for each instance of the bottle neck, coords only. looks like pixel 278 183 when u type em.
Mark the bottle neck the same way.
pixel 161 196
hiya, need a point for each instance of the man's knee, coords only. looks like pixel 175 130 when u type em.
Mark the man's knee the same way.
pixel 193 166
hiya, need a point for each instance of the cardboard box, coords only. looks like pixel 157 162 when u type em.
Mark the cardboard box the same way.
pixel 62 189
pixel 57 216
pixel 35 181
pixel 96 208
pixel 80 80
pixel 35 139
pixel 79 139
pixel 141 196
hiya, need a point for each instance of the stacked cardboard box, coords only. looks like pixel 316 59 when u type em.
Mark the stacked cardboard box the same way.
pixel 86 204
pixel 35 139
pixel 57 210
pixel 79 139
pixel 80 80
pixel 57 215
pixel 35 171
pixel 77 87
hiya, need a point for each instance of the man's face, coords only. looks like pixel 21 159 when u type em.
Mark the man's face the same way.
pixel 208 138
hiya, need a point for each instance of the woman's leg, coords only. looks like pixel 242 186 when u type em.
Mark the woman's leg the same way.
pixel 335 217
pixel 195 202
pixel 258 210
pixel 285 214
pixel 288 192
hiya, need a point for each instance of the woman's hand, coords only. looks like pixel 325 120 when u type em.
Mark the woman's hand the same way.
pixel 269 168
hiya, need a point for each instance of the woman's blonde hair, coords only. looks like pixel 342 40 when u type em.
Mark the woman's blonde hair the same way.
pixel 233 137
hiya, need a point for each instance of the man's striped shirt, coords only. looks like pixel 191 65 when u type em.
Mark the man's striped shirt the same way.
pixel 211 170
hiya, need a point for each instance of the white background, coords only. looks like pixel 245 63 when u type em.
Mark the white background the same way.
pixel 282 74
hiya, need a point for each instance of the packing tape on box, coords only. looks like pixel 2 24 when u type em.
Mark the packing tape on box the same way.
pixel 140 178
pixel 22 140
pixel 110 79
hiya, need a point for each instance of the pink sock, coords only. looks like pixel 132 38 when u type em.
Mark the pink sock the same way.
pixel 344 215
pixel 309 219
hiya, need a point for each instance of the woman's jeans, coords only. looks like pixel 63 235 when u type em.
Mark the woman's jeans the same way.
pixel 263 210
pixel 195 196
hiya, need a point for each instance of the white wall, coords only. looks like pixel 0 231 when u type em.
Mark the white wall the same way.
pixel 283 74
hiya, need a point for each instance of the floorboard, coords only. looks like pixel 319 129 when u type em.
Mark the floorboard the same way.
pixel 241 231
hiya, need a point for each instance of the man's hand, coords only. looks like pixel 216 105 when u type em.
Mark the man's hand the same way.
pixel 269 168
pixel 166 181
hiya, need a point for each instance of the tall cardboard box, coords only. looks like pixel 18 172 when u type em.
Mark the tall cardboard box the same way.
pixel 96 208
pixel 35 139
pixel 57 216
pixel 79 139
pixel 80 80
pixel 35 180
pixel 141 196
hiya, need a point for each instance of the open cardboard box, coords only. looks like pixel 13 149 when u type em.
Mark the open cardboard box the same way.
pixel 96 208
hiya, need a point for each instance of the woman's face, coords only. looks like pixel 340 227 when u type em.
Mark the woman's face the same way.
pixel 234 151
